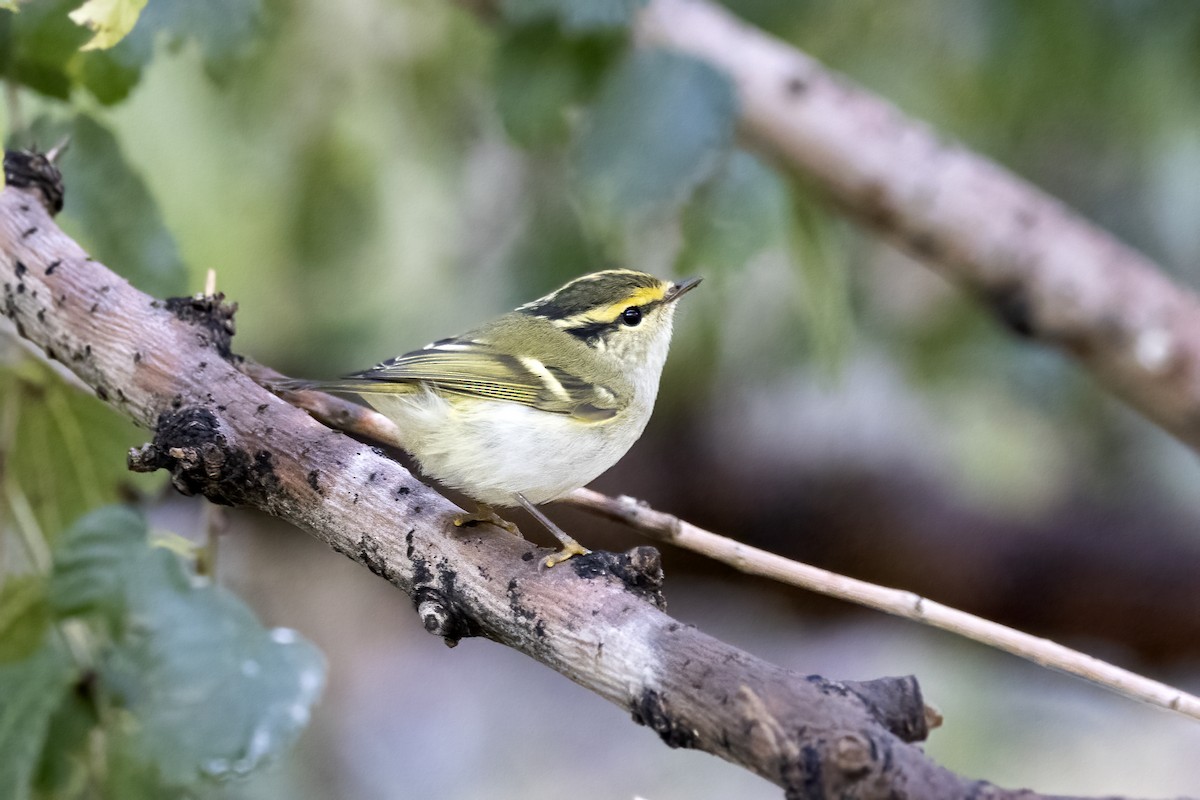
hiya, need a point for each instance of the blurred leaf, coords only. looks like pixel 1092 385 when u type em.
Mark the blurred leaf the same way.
pixel 30 691
pixel 659 128
pixel 744 209
pixel 225 30
pixel 110 209
pixel 68 449
pixel 93 560
pixel 24 616
pixel 39 48
pixel 62 769
pixel 110 20
pixel 209 690
pixel 574 15
pixel 9 5
pixel 828 313
pixel 541 75
pixel 37 44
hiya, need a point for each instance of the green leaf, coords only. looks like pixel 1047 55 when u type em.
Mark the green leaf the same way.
pixel 68 452
pixel 24 616
pixel 225 30
pixel 30 691
pixel 110 209
pixel 93 560
pixel 743 210
pixel 574 15
pixel 37 46
pixel 110 20
pixel 208 691
pixel 541 76
pixel 39 49
pixel 62 769
pixel 829 315
pixel 660 127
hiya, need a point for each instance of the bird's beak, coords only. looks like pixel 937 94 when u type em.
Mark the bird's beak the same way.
pixel 680 288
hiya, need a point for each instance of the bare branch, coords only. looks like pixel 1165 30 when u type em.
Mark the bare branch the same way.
pixel 663 527
pixel 597 619
pixel 1044 270
pixel 753 561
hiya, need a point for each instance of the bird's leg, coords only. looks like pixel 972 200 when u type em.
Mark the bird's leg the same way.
pixel 570 546
pixel 485 513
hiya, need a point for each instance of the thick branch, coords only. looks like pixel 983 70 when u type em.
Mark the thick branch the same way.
pixel 596 619
pixel 1043 269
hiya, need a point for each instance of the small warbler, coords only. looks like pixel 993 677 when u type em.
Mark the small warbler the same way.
pixel 536 403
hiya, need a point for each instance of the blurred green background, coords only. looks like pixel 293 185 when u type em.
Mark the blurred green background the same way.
pixel 370 175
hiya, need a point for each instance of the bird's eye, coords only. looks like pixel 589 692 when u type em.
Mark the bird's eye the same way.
pixel 631 316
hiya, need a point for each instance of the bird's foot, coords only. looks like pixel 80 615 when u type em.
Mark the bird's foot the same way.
pixel 570 548
pixel 486 514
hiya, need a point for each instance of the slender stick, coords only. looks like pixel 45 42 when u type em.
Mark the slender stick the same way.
pixel 753 561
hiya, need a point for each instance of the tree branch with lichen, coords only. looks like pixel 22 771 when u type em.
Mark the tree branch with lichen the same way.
pixel 599 619
pixel 1046 272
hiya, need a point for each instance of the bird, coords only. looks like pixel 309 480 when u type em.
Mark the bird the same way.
pixel 535 403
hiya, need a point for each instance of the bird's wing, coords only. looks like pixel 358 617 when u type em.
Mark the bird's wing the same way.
pixel 471 368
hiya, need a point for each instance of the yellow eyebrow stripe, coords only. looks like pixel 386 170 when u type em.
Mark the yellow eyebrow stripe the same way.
pixel 641 297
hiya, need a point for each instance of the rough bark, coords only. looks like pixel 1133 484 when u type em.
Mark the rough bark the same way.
pixel 598 620
pixel 1046 272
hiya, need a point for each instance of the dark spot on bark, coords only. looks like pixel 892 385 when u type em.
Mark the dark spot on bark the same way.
pixel 1011 304
pixel 137 356
pixel 796 86
pixel 371 478
pixel 20 269
pixel 94 307
pixel 102 393
pixel 924 245
pixel 1026 217
pixel 416 510
pixel 261 408
pixel 312 481
pixel 400 492
pixel 806 785
pixel 527 555
pixel 189 444
pixel 640 570
pixel 212 317
pixel 408 544
pixel 41 315
pixel 651 709
pixel 369 555
pixel 21 288
pixel 25 234
pixel 121 395
pixel 202 365
pixel 177 401
pixel 53 265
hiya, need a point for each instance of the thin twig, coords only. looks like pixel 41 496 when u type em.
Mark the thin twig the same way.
pixel 909 605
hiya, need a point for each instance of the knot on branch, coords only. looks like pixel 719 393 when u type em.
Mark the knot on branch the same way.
pixel 188 443
pixel 896 703
pixel 29 169
pixel 440 615
pixel 652 710
pixel 213 318
pixel 640 570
